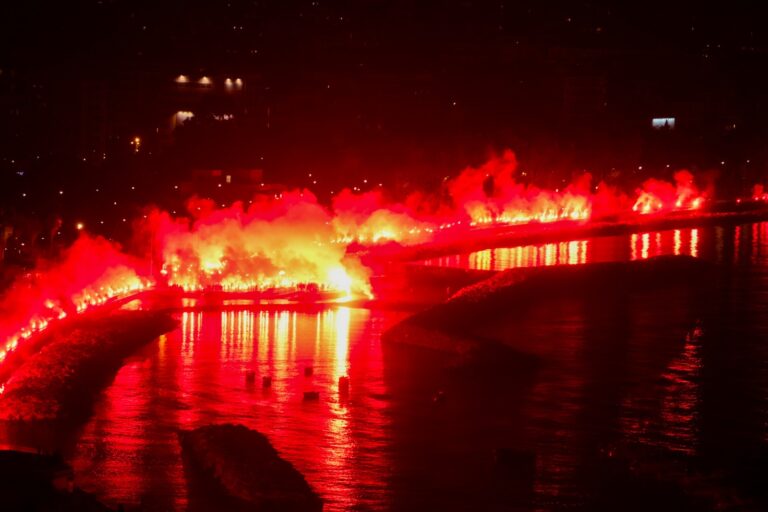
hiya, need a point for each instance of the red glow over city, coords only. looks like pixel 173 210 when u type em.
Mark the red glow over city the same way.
pixel 292 243
pixel 331 256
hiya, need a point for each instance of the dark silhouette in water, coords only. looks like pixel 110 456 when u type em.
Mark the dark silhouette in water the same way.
pixel 243 463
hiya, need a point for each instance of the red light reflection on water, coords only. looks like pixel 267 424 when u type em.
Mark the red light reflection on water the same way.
pixel 681 397
pixel 760 243
pixel 697 242
pixel 574 252
pixel 676 425
pixel 562 384
pixel 675 242
pixel 194 376
pixel 578 252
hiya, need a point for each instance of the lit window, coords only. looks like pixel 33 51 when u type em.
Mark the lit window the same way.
pixel 182 116
pixel 663 123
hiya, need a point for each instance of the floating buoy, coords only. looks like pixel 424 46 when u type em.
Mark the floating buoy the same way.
pixel 266 382
pixel 311 395
pixel 308 371
pixel 344 384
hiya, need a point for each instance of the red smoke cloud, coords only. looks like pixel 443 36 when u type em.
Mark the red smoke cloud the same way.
pixel 274 243
pixel 490 193
pixel 657 196
pixel 90 272
pixel 292 241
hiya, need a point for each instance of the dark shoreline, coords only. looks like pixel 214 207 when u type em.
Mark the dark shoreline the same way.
pixel 451 326
pixel 30 481
pixel 61 380
pixel 241 470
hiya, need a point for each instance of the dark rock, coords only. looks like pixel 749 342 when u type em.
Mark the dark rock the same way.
pixel 245 465
pixel 30 481
pixel 311 396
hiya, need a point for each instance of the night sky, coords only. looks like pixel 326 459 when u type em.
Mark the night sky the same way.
pixel 399 92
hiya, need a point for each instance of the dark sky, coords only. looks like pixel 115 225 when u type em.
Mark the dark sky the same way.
pixel 101 34
pixel 389 84
pixel 351 93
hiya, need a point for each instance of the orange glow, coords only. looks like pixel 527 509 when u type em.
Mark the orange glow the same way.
pixel 283 244
pixel 529 256
pixel 342 343
pixel 549 255
pixel 481 260
pixel 646 240
pixel 694 242
pixel 573 252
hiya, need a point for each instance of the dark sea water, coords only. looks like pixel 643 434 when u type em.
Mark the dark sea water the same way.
pixel 636 400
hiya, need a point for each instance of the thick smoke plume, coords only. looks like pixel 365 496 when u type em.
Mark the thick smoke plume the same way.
pixel 274 243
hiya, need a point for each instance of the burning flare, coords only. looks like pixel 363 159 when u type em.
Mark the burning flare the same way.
pixel 91 273
pixel 659 196
pixel 490 194
pixel 282 243
pixel 291 243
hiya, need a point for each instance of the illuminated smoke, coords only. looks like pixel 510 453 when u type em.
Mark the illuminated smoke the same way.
pixel 284 242
pixel 91 272
pixel 291 242
pixel 658 196
pixel 368 218
pixel 490 194
pixel 759 193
